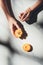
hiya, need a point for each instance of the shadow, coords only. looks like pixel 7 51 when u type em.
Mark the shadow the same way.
pixel 40 24
pixel 7 44
pixel 9 7
pixel 31 49
pixel 33 14
pixel 24 35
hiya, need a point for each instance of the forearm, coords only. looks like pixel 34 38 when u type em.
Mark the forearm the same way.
pixel 5 9
pixel 37 4
pixel 6 5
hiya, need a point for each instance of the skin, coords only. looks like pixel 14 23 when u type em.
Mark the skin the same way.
pixel 24 16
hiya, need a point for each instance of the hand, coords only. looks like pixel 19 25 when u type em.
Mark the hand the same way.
pixel 24 16
pixel 14 27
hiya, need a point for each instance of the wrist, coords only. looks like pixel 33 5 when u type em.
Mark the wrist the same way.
pixel 32 8
pixel 29 9
pixel 10 18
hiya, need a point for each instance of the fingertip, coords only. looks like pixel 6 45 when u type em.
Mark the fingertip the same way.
pixel 21 13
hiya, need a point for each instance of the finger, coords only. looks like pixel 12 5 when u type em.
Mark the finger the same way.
pixel 20 17
pixel 27 19
pixel 21 14
pixel 27 16
pixel 11 29
pixel 24 15
pixel 15 24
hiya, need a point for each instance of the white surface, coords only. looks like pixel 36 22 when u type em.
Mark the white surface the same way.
pixel 21 60
pixel 4 55
pixel 4 33
pixel 35 36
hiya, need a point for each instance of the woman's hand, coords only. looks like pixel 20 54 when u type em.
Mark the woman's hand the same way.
pixel 14 27
pixel 24 16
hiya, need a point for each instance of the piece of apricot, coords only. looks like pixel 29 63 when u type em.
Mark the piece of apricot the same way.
pixel 27 47
pixel 18 33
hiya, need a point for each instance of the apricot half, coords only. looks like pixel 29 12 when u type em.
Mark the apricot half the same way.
pixel 27 47
pixel 18 33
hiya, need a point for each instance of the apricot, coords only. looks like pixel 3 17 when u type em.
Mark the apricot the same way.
pixel 27 47
pixel 18 33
